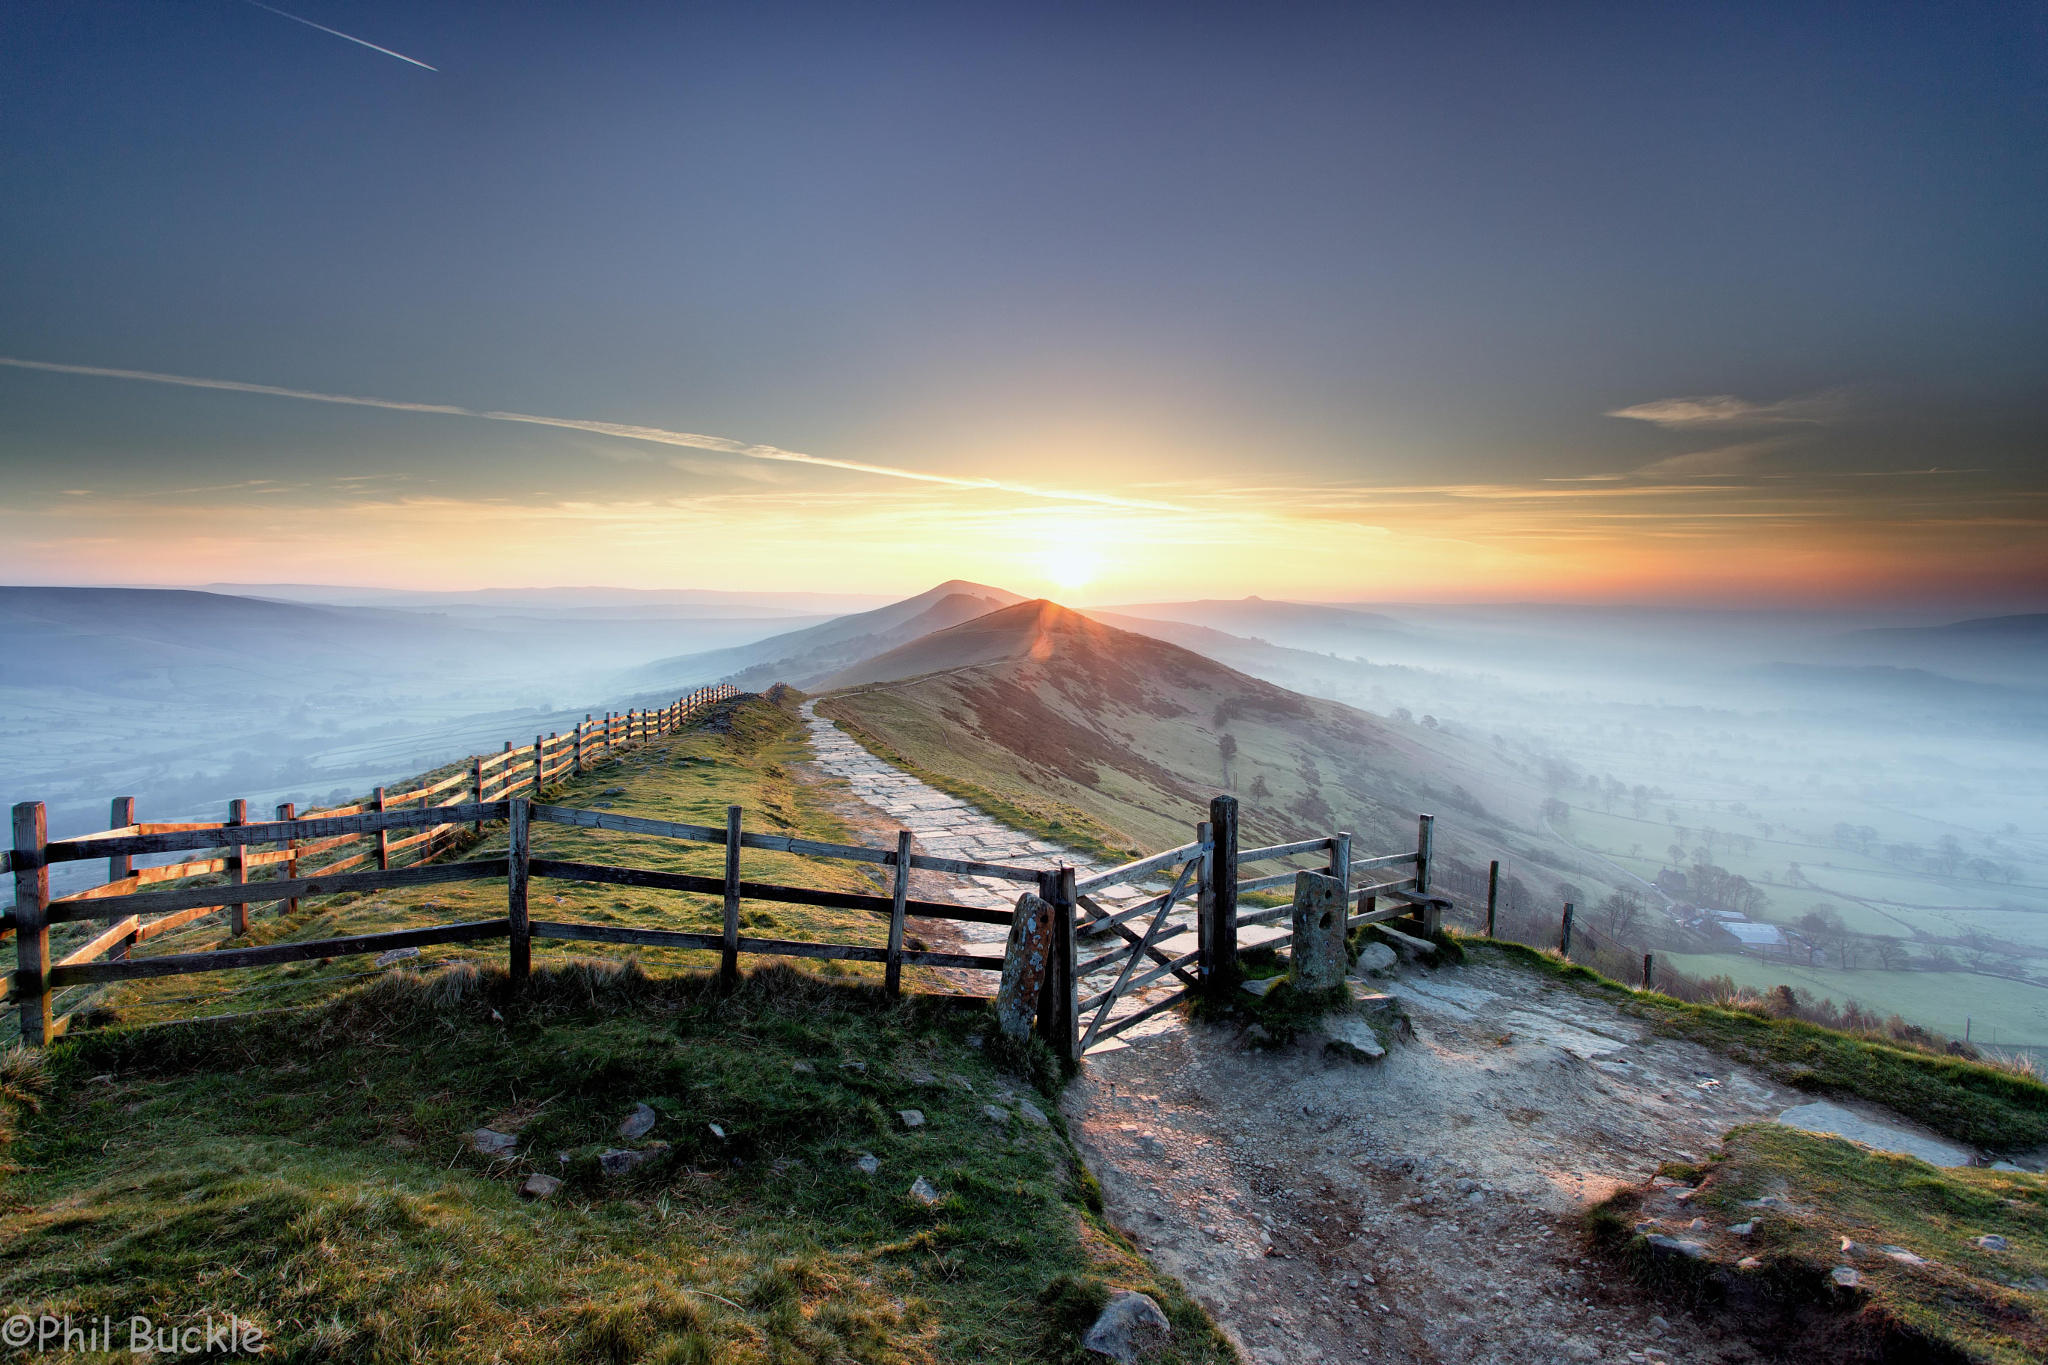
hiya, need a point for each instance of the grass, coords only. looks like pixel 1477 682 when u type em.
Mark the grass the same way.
pixel 1981 1105
pixel 1967 1303
pixel 310 1172
pixel 309 1169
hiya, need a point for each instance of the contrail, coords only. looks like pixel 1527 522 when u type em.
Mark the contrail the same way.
pixel 339 34
pixel 660 436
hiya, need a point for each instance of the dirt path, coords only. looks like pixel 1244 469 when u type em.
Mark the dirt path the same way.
pixel 1425 1208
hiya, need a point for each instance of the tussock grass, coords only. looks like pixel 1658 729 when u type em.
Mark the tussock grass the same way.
pixel 1967 1303
pixel 311 1172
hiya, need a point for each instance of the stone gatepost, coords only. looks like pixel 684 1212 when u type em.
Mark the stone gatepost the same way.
pixel 1024 964
pixel 1318 961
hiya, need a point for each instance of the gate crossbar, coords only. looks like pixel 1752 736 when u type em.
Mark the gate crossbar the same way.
pixel 1144 945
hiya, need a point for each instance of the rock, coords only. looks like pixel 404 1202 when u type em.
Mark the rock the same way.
pixel 2007 1166
pixel 1696 1225
pixel 857 1068
pixel 490 1142
pixel 613 791
pixel 921 1190
pixel 1741 1229
pixel 637 1124
pixel 1258 1035
pixel 923 1079
pixel 1352 1040
pixel 1677 1246
pixel 995 1114
pixel 1903 1256
pixel 1262 986
pixel 1834 1120
pixel 1750 1263
pixel 1374 958
pixel 1849 1246
pixel 1024 962
pixel 540 1186
pixel 1659 1324
pixel 1578 1348
pixel 1130 1327
pixel 867 1165
pixel 717 1131
pixel 912 1118
pixel 1032 1114
pixel 1991 1241
pixel 1845 1276
pixel 974 1041
pixel 385 959
pixel 1317 962
pixel 621 1161
pixel 1364 1001
pixel 803 1068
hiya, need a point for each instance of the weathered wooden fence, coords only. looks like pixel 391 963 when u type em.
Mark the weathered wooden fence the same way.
pixel 1198 955
pixel 313 857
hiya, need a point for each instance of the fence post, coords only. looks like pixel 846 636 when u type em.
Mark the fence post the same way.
pixel 120 815
pixel 383 836
pixel 31 929
pixel 1492 893
pixel 1425 850
pixel 289 810
pixel 1564 938
pixel 1340 865
pixel 476 773
pixel 518 867
pixel 579 742
pixel 1217 926
pixel 1649 974
pixel 1205 885
pixel 238 870
pixel 892 974
pixel 539 756
pixel 729 963
pixel 1058 1002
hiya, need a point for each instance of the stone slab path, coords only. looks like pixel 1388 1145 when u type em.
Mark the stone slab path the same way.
pixel 951 828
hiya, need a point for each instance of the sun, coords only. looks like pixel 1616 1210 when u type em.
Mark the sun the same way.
pixel 1071 566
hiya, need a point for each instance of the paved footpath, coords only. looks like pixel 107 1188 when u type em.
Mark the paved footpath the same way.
pixel 947 826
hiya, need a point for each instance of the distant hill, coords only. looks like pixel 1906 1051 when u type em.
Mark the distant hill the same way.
pixel 1038 703
pixel 1999 649
pixel 805 656
pixel 1296 625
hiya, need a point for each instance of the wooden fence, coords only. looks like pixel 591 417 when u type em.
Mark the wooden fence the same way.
pixel 313 854
pixel 1207 872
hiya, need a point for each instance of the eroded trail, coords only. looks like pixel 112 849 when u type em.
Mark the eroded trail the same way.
pixel 1422 1209
pixel 1425 1208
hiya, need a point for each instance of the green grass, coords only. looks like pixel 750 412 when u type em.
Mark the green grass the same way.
pixel 1968 1101
pixel 1966 1304
pixel 309 1172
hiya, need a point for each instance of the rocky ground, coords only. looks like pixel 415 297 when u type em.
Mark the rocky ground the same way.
pixel 1426 1207
pixel 1423 1208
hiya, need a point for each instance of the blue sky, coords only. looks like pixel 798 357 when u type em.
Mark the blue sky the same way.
pixel 1352 293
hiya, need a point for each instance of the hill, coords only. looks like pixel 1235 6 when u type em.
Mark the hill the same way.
pixel 1998 649
pixel 802 656
pixel 1075 724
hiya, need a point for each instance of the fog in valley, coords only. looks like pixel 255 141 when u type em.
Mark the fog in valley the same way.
pixel 1850 805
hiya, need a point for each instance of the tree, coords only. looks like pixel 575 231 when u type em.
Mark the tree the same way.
pixel 1557 812
pixel 1260 791
pixel 1226 744
pixel 1948 852
pixel 1892 954
pixel 1619 912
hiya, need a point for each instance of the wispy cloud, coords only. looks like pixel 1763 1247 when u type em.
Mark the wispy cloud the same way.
pixel 360 42
pixel 658 435
pixel 1721 462
pixel 1726 410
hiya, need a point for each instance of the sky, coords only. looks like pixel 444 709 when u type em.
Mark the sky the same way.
pixel 1635 302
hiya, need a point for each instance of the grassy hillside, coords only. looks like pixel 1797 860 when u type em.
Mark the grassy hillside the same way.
pixel 1076 725
pixel 310 1168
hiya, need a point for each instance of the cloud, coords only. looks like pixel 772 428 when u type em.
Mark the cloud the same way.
pixel 1721 462
pixel 1725 409
pixel 658 435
